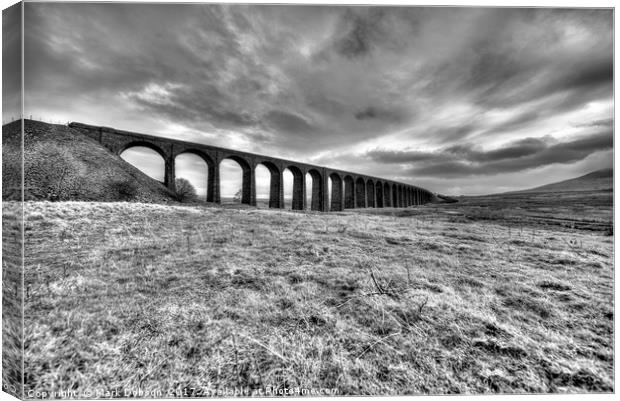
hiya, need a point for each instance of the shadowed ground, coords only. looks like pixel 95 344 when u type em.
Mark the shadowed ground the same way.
pixel 460 298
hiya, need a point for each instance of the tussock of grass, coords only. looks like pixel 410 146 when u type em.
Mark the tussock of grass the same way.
pixel 127 296
pixel 12 290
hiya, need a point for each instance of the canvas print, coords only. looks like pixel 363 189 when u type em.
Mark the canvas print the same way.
pixel 239 200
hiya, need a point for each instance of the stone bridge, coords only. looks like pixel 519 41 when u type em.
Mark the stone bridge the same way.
pixel 349 190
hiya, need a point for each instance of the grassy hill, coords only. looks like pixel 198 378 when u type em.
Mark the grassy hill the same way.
pixel 63 164
pixel 595 181
pixel 436 299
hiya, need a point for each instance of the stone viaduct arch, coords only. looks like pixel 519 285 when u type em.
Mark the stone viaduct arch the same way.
pixel 319 190
pixel 370 193
pixel 394 191
pixel 337 202
pixel 299 188
pixel 360 192
pixel 387 196
pixel 348 190
pixel 379 194
pixel 276 184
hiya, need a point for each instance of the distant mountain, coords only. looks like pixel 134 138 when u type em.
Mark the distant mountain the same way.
pixel 595 181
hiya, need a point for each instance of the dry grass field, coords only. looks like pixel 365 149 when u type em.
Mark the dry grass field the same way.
pixel 458 298
pixel 12 317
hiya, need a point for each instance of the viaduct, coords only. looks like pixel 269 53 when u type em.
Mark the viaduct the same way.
pixel 349 190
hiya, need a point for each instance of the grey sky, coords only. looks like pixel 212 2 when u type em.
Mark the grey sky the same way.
pixel 11 62
pixel 459 100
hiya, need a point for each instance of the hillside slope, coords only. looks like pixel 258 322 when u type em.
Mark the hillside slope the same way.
pixel 595 181
pixel 63 164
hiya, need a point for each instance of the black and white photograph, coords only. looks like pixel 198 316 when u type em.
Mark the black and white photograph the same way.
pixel 231 200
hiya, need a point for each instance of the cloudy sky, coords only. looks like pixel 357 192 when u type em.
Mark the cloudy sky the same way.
pixel 457 100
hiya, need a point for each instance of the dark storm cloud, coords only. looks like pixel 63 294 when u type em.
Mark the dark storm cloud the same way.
pixel 362 31
pixel 394 114
pixel 591 78
pixel 525 154
pixel 590 74
pixel 506 65
pixel 307 82
pixel 518 149
pixel 193 105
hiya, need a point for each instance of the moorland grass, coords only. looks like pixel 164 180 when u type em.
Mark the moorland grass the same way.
pixel 128 296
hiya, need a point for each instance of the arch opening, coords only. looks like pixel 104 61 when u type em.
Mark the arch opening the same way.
pixel 295 180
pixel 142 144
pixel 336 198
pixel 387 194
pixel 308 194
pixel 194 169
pixel 379 194
pixel 262 176
pixel 315 190
pixel 287 188
pixel 349 192
pixel 370 194
pixel 269 185
pixel 329 192
pixel 360 193
pixel 146 159
pixel 236 181
pixel 394 196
